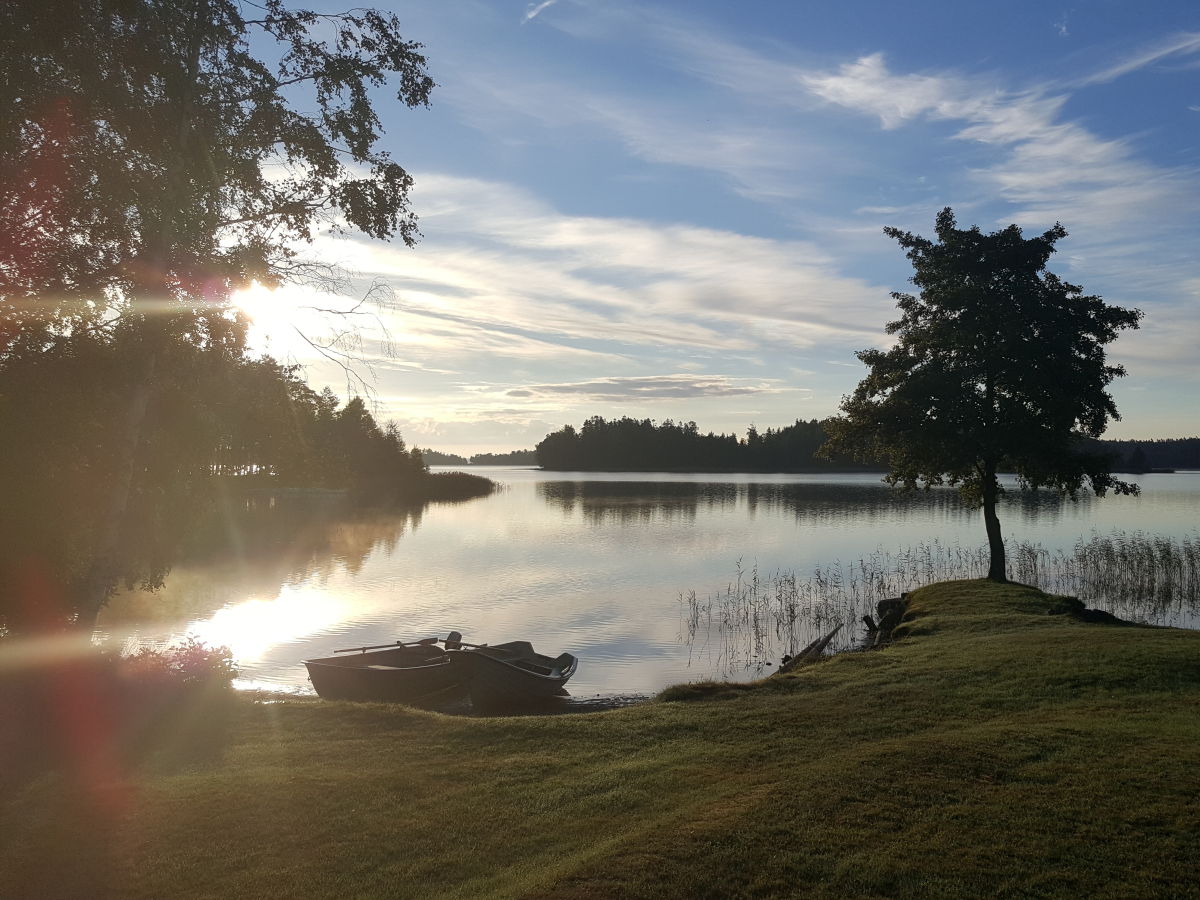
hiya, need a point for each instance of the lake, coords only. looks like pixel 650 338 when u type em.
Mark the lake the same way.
pixel 637 574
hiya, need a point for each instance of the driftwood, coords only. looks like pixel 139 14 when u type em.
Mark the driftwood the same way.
pixel 890 610
pixel 811 653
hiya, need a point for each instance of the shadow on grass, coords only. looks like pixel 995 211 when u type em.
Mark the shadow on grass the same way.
pixel 85 719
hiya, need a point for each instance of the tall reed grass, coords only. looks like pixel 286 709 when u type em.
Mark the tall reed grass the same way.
pixel 746 628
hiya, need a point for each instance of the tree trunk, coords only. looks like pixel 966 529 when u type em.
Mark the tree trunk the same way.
pixel 991 490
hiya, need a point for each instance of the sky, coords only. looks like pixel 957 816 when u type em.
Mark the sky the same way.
pixel 675 210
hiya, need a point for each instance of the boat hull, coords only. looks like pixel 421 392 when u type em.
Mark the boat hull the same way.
pixel 394 675
pixel 509 675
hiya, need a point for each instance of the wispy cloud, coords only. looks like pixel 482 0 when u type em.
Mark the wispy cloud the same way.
pixel 651 387
pixel 1047 167
pixel 517 266
pixel 1179 44
pixel 785 160
pixel 532 10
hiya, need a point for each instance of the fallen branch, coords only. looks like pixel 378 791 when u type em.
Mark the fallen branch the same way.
pixel 811 653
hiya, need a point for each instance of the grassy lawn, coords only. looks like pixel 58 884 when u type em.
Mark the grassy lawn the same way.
pixel 994 750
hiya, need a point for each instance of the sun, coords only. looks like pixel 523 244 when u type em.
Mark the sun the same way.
pixel 258 302
pixel 271 313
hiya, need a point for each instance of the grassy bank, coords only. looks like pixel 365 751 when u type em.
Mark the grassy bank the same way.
pixel 994 750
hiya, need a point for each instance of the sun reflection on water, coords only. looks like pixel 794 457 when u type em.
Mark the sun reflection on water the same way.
pixel 252 627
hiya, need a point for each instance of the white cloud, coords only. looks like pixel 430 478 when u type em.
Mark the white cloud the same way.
pixel 1179 44
pixel 532 10
pixel 508 294
pixel 517 271
pixel 1047 168
pixel 866 85
pixel 650 387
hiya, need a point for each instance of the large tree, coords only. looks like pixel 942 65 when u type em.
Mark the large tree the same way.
pixel 155 155
pixel 998 365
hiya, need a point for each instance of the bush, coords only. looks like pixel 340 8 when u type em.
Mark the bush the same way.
pixel 157 676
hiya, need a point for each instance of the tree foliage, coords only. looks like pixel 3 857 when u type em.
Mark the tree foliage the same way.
pixel 633 445
pixel 998 363
pixel 219 424
pixel 511 458
pixel 156 155
pixel 146 148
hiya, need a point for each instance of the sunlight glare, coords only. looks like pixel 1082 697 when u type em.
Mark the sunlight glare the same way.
pixel 252 627
pixel 262 305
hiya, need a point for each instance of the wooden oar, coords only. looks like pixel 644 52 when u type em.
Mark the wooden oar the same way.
pixel 423 642
pixel 465 644
pixel 454 641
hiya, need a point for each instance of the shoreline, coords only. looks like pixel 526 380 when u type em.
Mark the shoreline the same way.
pixel 994 748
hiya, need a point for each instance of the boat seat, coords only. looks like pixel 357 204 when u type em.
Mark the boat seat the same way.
pixel 531 667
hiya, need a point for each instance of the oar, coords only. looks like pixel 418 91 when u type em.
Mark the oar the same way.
pixel 454 641
pixel 465 644
pixel 423 642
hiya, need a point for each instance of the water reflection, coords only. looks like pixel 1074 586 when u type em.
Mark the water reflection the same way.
pixel 253 576
pixel 624 502
pixel 592 564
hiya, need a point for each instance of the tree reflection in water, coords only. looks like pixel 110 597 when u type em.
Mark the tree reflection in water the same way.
pixel 257 544
pixel 602 502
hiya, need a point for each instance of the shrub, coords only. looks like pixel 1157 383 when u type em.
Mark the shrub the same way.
pixel 191 664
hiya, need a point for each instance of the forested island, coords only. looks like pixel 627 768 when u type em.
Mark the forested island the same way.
pixel 633 445
pixel 642 445
pixel 1136 457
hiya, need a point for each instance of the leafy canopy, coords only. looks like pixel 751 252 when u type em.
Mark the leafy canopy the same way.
pixel 997 362
pixel 150 147
pixel 155 155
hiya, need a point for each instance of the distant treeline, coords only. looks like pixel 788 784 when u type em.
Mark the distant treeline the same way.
pixel 634 445
pixel 641 445
pixel 1145 456
pixel 512 458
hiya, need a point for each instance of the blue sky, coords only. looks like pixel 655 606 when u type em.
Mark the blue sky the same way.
pixel 675 210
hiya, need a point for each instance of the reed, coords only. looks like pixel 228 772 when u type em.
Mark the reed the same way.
pixel 748 626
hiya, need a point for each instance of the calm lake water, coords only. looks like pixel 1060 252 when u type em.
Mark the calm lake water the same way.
pixel 602 565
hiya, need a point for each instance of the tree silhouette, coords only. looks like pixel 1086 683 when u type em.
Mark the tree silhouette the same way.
pixel 997 363
pixel 152 163
pixel 640 445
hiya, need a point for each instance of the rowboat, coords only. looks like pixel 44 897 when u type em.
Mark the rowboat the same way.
pixel 390 673
pixel 511 674
pixel 500 675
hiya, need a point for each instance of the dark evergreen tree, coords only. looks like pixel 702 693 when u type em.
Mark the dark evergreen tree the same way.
pixel 997 363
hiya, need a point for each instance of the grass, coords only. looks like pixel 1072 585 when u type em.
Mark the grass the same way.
pixel 759 617
pixel 994 750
